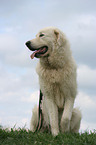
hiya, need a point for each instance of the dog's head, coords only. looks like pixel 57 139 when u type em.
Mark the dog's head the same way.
pixel 46 41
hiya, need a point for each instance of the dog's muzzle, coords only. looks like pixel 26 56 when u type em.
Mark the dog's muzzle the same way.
pixel 38 52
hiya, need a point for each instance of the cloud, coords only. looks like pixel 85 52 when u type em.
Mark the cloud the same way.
pixel 8 43
pixel 17 84
pixel 9 8
pixel 85 101
pixel 33 98
pixel 85 126
pixel 24 121
pixel 86 79
pixel 82 39
pixel 0 120
pixel 87 106
pixel 16 121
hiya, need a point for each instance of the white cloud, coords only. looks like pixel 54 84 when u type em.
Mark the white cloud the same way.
pixel 24 121
pixel 34 98
pixel 28 112
pixel 82 37
pixel 87 22
pixel 86 126
pixel 87 106
pixel 0 120
pixel 17 122
pixel 17 82
pixel 86 78
pixel 85 101
pixel 8 43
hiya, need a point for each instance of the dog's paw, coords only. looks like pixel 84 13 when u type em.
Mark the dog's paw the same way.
pixel 65 125
pixel 55 132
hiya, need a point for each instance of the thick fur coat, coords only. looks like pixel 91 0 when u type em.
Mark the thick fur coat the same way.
pixel 57 77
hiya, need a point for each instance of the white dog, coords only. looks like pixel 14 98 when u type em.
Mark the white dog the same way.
pixel 57 77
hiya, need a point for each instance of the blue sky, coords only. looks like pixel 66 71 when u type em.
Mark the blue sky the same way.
pixel 19 22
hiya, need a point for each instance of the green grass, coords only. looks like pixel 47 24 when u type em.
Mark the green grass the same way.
pixel 23 137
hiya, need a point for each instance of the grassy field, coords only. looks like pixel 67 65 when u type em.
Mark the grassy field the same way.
pixel 23 137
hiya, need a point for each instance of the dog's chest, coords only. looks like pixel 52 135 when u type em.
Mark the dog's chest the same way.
pixel 58 96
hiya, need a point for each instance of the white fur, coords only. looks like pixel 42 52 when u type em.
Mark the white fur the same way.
pixel 57 78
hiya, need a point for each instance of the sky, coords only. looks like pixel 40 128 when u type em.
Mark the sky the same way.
pixel 20 21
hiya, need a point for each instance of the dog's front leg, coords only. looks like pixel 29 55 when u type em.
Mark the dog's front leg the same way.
pixel 67 113
pixel 53 116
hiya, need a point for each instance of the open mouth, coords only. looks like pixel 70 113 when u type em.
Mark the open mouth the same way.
pixel 39 52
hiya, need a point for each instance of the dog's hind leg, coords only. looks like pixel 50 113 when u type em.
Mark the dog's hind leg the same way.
pixel 75 120
pixel 34 119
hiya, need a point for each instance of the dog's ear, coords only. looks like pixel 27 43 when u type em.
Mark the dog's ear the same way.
pixel 56 34
pixel 60 38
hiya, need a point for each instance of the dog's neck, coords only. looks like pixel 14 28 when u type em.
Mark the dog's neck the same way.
pixel 53 63
pixel 44 62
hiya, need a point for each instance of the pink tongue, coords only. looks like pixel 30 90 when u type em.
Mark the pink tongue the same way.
pixel 33 54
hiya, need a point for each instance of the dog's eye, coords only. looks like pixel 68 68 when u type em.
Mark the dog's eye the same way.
pixel 41 35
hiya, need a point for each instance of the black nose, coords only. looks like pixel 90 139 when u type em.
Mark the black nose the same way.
pixel 28 43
